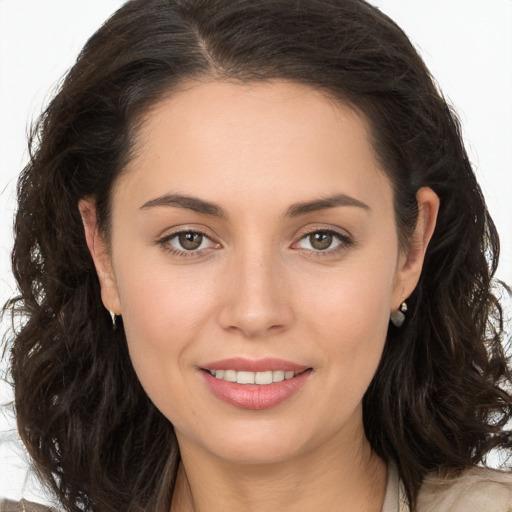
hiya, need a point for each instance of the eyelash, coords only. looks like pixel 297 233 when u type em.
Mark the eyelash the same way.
pixel 345 242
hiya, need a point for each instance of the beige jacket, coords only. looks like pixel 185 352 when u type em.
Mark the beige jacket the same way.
pixel 477 490
pixel 22 506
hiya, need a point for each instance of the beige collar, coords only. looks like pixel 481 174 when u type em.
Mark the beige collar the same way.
pixel 395 499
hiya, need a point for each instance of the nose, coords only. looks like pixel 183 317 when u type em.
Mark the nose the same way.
pixel 257 301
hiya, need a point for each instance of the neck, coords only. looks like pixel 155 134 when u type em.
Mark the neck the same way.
pixel 330 479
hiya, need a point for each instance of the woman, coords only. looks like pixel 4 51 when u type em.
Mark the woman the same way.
pixel 256 270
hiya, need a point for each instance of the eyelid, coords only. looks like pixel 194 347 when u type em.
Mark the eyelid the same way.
pixel 342 233
pixel 185 228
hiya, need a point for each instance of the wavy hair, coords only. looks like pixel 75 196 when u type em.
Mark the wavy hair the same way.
pixel 439 399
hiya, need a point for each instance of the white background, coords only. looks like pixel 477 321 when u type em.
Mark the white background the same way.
pixel 467 44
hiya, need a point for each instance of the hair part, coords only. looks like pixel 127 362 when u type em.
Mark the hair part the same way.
pixel 439 398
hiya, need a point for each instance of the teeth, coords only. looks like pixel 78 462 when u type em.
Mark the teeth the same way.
pixel 262 378
pixel 245 377
pixel 230 375
pixel 277 376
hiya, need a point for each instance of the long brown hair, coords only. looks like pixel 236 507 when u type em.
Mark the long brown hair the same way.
pixel 439 399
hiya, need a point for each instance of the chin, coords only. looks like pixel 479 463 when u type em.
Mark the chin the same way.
pixel 258 454
pixel 262 442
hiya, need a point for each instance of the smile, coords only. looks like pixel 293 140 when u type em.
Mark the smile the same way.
pixel 245 377
pixel 254 384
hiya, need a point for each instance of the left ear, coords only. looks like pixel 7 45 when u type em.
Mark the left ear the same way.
pixel 411 261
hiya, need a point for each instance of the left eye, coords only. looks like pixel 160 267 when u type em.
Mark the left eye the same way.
pixel 321 241
pixel 189 241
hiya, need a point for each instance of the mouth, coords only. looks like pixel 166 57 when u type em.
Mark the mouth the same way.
pixel 255 384
pixel 263 378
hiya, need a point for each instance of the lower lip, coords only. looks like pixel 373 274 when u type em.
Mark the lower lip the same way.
pixel 255 396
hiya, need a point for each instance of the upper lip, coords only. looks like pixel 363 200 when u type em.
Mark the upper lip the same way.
pixel 255 365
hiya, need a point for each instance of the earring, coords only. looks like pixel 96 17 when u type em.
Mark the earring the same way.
pixel 113 317
pixel 397 317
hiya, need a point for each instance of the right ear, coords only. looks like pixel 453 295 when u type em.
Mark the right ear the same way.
pixel 100 255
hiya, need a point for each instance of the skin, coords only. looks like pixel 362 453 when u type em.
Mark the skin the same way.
pixel 258 288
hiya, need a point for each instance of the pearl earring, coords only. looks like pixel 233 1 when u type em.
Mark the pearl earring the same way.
pixel 113 317
pixel 397 317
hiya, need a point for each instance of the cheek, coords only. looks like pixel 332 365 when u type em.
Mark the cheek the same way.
pixel 356 298
pixel 350 320
pixel 158 301
pixel 163 314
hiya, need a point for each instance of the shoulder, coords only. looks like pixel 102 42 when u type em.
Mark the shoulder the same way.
pixel 474 490
pixel 23 506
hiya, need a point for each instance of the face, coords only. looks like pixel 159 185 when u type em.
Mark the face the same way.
pixel 254 240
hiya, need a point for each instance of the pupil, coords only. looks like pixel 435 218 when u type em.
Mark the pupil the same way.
pixel 320 240
pixel 190 241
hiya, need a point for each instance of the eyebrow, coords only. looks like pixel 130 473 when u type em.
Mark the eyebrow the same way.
pixel 325 203
pixel 187 202
pixel 295 210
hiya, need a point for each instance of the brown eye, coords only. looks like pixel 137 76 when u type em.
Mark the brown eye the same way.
pixel 321 240
pixel 324 241
pixel 183 244
pixel 190 241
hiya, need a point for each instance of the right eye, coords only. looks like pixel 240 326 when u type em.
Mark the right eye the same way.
pixel 187 243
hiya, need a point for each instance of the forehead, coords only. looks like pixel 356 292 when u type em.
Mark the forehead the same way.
pixel 262 109
pixel 225 139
